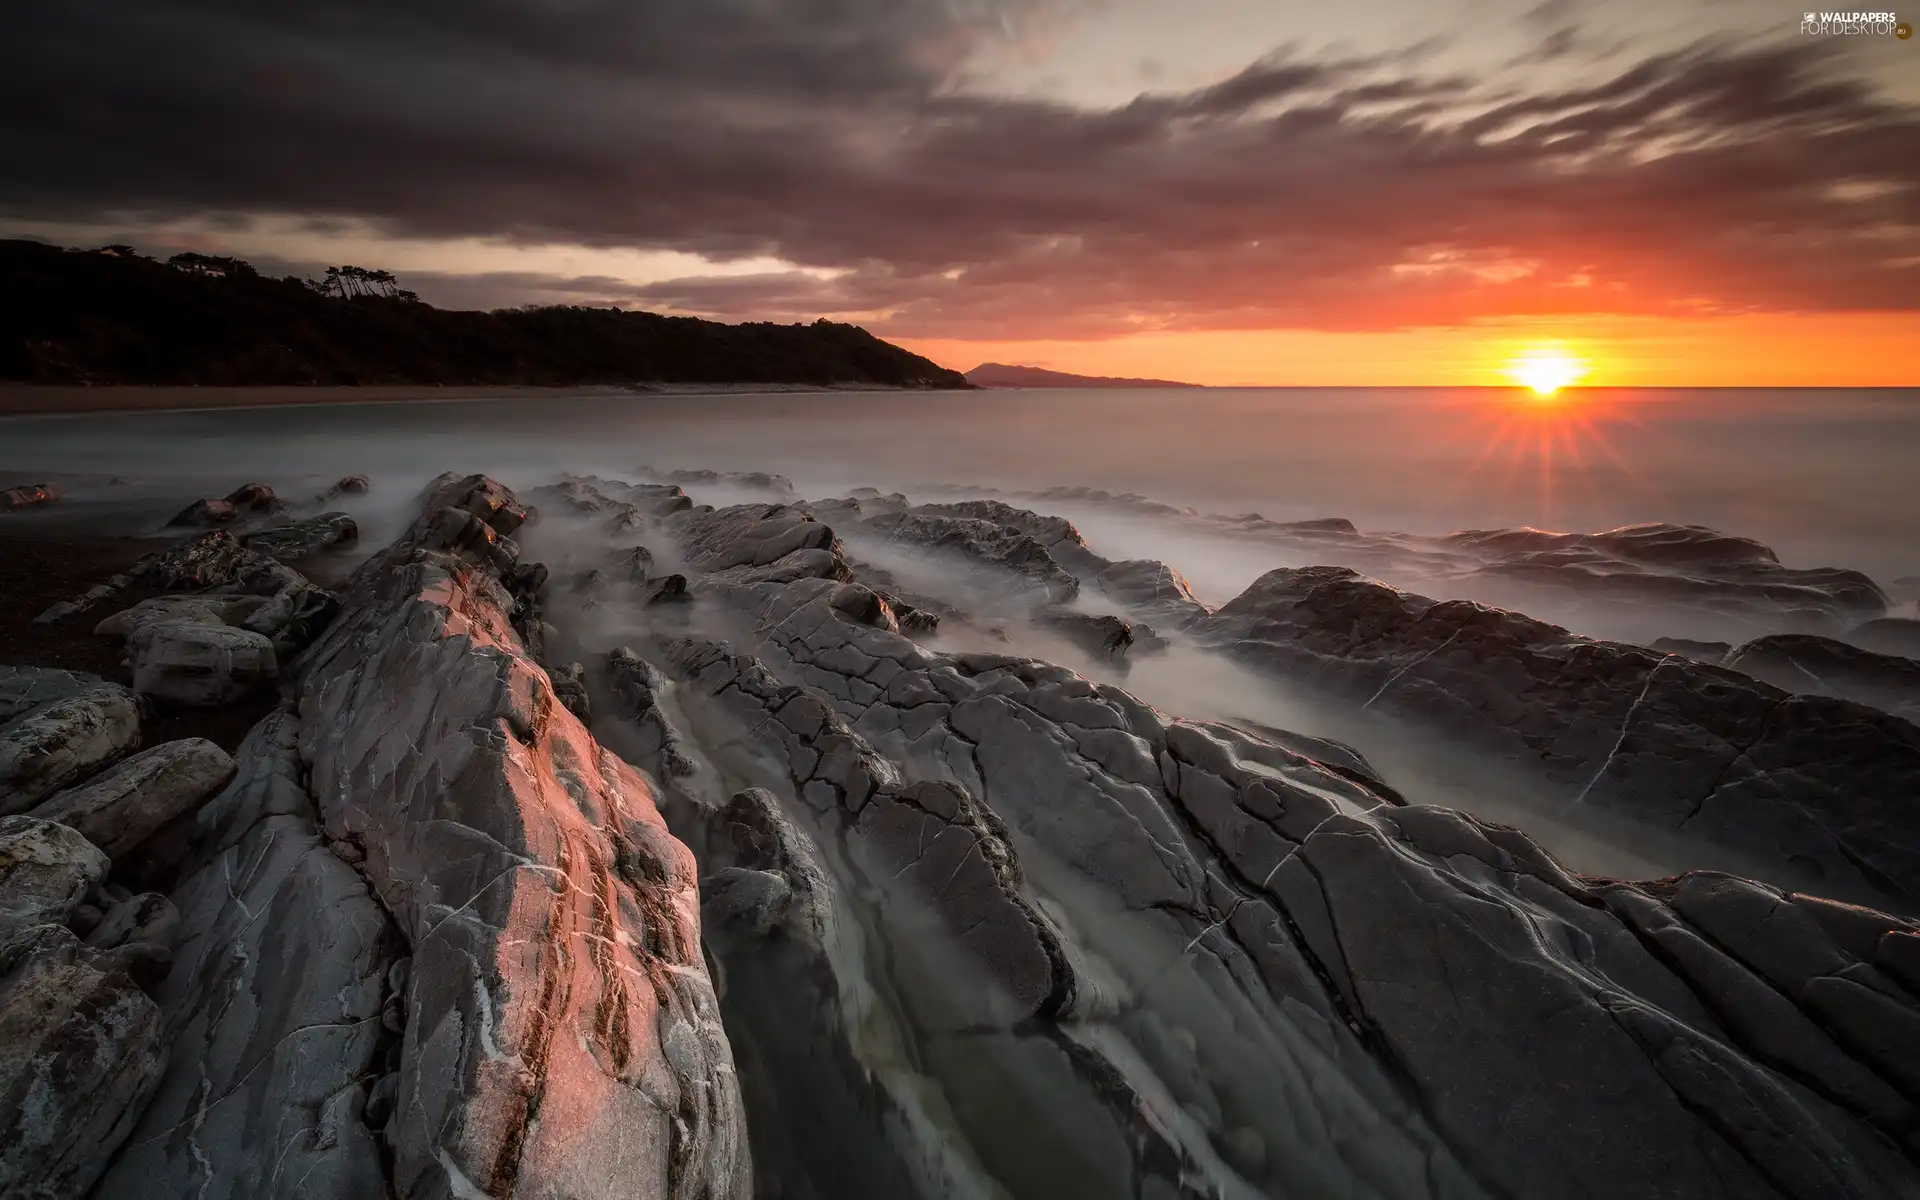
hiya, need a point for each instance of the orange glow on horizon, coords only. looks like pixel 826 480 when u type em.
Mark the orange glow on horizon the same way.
pixel 1753 350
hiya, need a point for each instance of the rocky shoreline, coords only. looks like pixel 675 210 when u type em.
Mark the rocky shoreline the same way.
pixel 751 850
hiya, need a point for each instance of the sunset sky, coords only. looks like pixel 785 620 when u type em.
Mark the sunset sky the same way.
pixel 1226 191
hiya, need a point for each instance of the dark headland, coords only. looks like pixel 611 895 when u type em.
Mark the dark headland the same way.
pixel 1002 375
pixel 113 317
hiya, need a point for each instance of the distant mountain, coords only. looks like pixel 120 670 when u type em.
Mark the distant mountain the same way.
pixel 113 317
pixel 1000 375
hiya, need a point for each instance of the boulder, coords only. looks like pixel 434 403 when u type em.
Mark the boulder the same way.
pixel 46 872
pixel 1819 666
pixel 122 807
pixel 199 665
pixel 60 743
pixel 24 690
pixel 81 1050
pixel 253 497
pixel 28 495
pixel 213 559
pixel 293 617
pixel 1000 549
pixel 303 539
pixel 203 513
pixel 196 609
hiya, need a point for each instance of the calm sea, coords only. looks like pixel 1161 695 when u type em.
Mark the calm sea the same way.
pixel 1828 477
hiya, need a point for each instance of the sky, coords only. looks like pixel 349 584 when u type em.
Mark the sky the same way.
pixel 1223 191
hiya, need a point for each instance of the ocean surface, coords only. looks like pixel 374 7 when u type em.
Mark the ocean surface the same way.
pixel 1826 477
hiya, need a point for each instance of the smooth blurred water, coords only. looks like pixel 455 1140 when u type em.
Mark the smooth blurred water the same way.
pixel 1827 477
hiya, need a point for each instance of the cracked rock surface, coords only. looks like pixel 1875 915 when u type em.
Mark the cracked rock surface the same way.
pixel 1802 780
pixel 561 1034
pixel 1008 906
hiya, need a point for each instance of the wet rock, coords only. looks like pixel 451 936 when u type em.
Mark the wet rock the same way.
pixel 570 689
pixel 352 485
pixel 216 559
pixel 981 544
pixel 1806 783
pixel 120 808
pixel 203 513
pixel 303 539
pixel 272 1005
pixel 28 495
pixel 253 497
pixel 526 1000
pixel 1103 637
pixel 199 665
pixel 81 1050
pixel 667 589
pixel 54 745
pixel 292 618
pixel 1818 666
pixel 1153 590
pixel 195 609
pixel 641 689
pixel 760 481
pixel 634 564
pixel 754 535
pixel 46 872
pixel 24 690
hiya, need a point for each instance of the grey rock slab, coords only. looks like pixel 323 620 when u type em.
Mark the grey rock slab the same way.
pixel 562 1035
pixel 272 1012
pixel 1811 784
pixel 26 689
pixel 1490 1031
pixel 46 872
pixel 201 609
pixel 199 665
pixel 63 742
pixel 81 1051
pixel 123 806
pixel 1819 666
pixel 303 539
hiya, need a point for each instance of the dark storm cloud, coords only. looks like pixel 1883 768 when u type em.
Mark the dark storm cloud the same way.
pixel 1345 192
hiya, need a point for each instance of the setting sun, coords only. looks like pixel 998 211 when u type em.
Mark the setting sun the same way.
pixel 1546 371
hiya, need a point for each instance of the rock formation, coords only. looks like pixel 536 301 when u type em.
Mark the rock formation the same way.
pixel 979 925
pixel 1799 780
pixel 28 495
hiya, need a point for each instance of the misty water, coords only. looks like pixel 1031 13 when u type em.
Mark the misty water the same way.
pixel 1825 477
